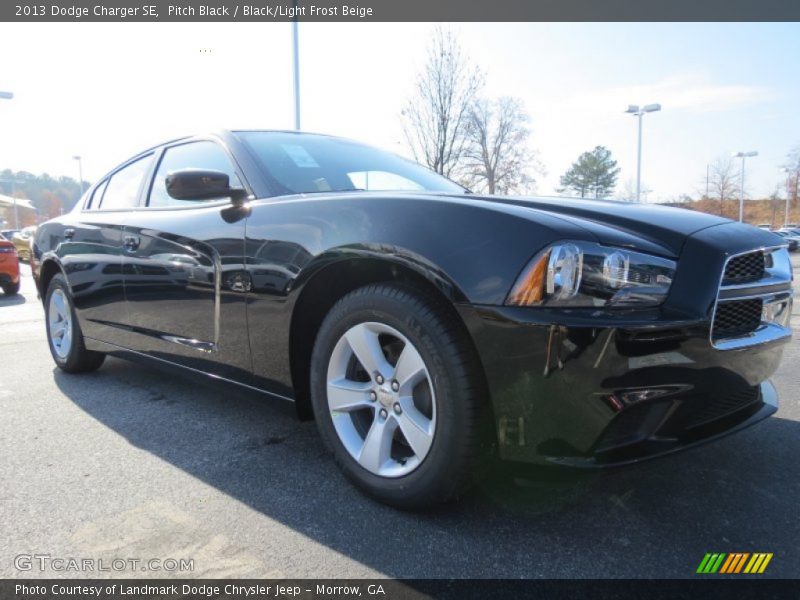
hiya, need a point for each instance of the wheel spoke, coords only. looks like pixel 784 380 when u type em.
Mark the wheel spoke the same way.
pixel 377 445
pixel 60 323
pixel 415 427
pixel 410 369
pixel 345 395
pixel 58 301
pixel 57 329
pixel 66 339
pixel 364 344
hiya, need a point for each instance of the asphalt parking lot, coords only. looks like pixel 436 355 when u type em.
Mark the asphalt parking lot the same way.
pixel 129 462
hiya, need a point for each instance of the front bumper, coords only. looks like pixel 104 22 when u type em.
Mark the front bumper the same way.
pixel 764 405
pixel 605 391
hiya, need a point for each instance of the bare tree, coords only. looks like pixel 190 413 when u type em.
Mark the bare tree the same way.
pixel 792 171
pixel 435 119
pixel 723 181
pixel 497 158
pixel 628 192
pixel 776 205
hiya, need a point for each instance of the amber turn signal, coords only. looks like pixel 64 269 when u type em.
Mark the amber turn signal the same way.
pixel 529 289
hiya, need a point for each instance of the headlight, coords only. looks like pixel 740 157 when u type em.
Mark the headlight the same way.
pixel 587 274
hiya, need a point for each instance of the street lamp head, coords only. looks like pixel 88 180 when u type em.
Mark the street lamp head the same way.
pixel 6 95
pixel 745 154
pixel 76 157
pixel 635 109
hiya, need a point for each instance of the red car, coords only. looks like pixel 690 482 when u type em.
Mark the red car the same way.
pixel 9 267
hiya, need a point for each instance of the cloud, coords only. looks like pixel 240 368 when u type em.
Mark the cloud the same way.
pixel 688 92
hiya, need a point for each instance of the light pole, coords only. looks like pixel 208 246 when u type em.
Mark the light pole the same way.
pixel 80 174
pixel 10 96
pixel 743 155
pixel 296 69
pixel 635 110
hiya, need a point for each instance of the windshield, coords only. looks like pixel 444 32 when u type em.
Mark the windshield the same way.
pixel 306 164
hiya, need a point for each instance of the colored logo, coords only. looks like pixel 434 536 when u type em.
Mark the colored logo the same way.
pixel 735 562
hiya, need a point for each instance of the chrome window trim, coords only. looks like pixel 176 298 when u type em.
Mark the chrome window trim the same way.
pixel 767 332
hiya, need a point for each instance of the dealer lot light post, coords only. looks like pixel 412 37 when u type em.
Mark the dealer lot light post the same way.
pixel 634 109
pixel 743 156
pixel 296 69
pixel 80 174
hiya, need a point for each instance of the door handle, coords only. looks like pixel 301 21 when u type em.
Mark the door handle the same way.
pixel 131 242
pixel 69 233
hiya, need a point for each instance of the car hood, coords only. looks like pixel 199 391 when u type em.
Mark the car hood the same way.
pixel 647 227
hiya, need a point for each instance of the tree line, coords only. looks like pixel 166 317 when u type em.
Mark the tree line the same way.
pixel 49 195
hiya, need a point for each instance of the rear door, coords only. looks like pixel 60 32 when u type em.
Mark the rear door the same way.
pixel 92 251
pixel 184 304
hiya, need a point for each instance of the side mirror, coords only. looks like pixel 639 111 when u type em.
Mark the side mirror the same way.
pixel 201 184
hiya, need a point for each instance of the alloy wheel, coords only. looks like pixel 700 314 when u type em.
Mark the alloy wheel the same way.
pixel 59 317
pixel 381 399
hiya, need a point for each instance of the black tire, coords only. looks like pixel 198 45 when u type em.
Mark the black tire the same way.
pixel 78 359
pixel 462 429
pixel 11 289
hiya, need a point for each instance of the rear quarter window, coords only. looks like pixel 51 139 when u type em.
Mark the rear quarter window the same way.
pixel 97 195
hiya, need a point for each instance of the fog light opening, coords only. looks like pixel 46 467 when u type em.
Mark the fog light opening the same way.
pixel 622 399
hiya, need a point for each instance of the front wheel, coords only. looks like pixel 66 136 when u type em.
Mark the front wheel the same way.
pixel 398 395
pixel 64 333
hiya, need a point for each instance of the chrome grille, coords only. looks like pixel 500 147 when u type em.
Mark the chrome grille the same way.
pixel 754 299
pixel 737 318
pixel 744 268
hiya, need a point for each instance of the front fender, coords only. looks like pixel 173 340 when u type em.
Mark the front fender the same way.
pixel 479 249
pixel 387 254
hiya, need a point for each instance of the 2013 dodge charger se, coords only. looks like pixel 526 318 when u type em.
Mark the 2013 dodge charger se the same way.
pixel 422 326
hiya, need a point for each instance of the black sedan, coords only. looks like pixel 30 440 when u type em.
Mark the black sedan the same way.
pixel 425 328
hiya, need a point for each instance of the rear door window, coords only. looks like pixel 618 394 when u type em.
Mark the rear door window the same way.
pixel 122 190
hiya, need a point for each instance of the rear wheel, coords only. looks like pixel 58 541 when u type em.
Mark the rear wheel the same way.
pixel 11 289
pixel 64 333
pixel 398 395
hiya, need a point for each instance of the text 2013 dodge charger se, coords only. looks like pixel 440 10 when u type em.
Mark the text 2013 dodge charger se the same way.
pixel 423 327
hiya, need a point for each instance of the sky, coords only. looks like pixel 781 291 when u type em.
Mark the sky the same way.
pixel 106 91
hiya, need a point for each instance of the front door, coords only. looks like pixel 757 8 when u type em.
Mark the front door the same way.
pixel 179 256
